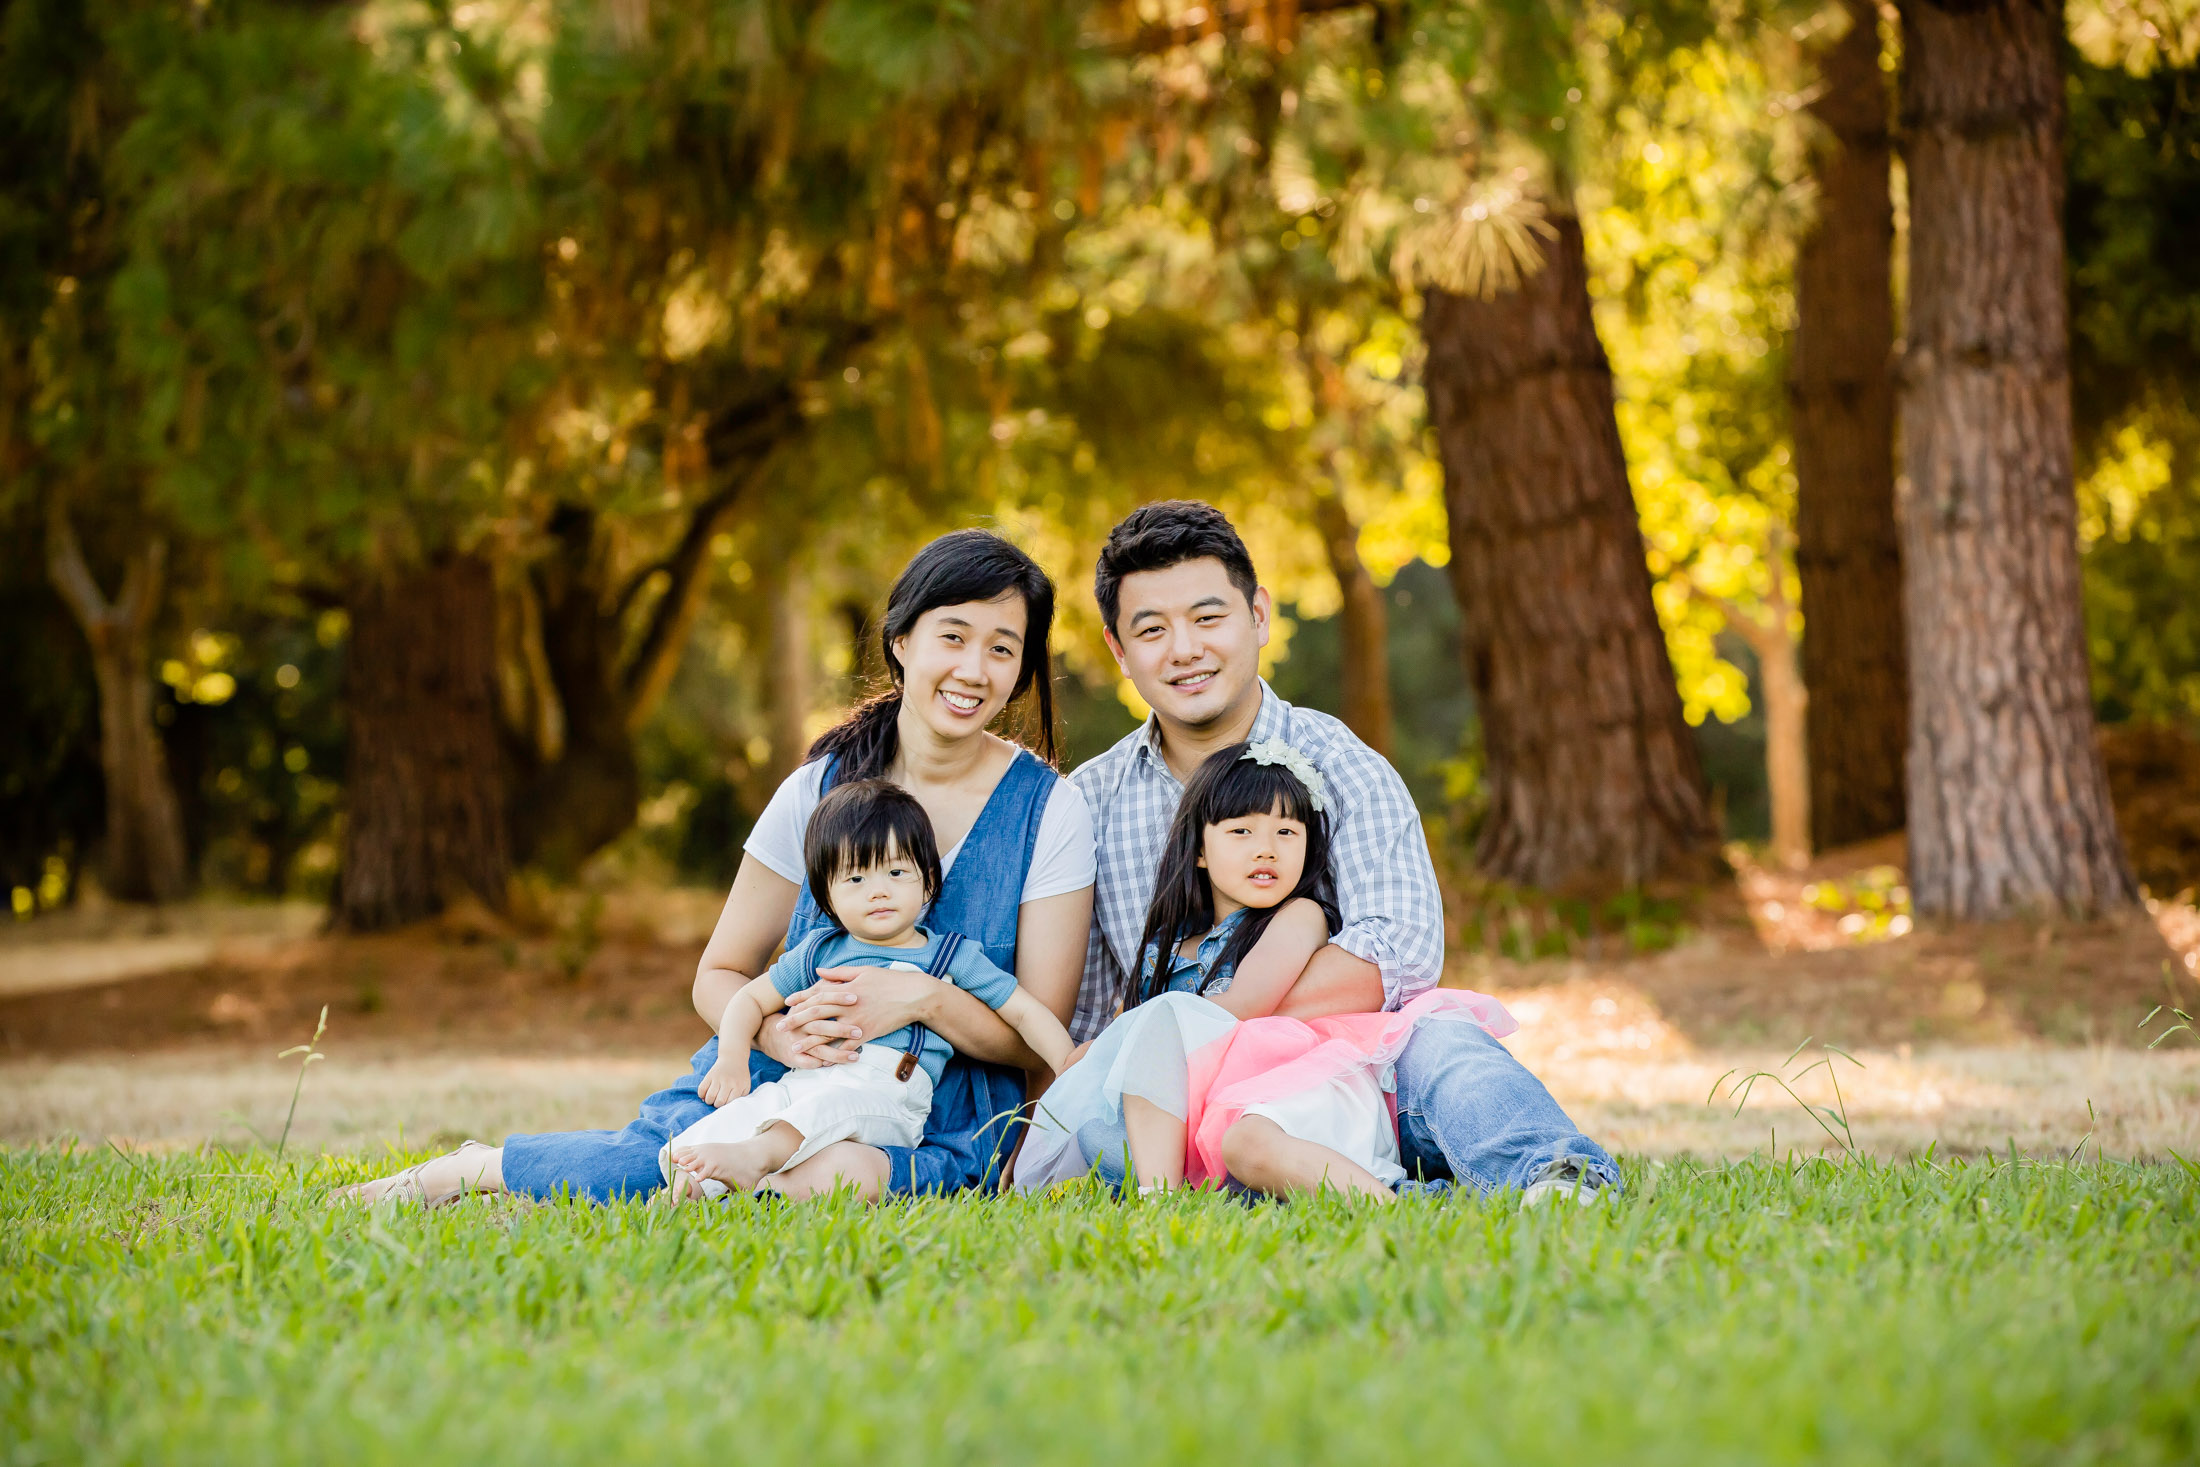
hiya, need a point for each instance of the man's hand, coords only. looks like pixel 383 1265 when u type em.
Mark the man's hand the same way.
pixel 725 1080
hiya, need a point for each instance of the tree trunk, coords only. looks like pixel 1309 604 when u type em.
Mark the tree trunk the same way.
pixel 1787 749
pixel 571 799
pixel 2008 803
pixel 793 671
pixel 595 664
pixel 1786 701
pixel 424 787
pixel 144 858
pixel 1848 552
pixel 1366 622
pixel 1787 762
pixel 1593 778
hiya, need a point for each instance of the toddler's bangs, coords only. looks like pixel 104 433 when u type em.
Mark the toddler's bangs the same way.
pixel 864 823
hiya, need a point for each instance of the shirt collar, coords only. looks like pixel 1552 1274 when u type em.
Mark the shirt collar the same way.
pixel 1202 960
pixel 1267 724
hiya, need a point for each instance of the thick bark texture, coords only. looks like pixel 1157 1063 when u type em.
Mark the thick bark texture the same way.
pixel 2008 804
pixel 1593 778
pixel 424 789
pixel 1848 552
pixel 1366 622
pixel 144 858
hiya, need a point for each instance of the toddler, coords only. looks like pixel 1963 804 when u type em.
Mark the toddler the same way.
pixel 873 866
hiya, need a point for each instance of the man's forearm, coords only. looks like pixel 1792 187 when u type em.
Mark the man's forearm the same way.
pixel 1335 982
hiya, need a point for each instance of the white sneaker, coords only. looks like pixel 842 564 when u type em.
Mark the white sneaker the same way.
pixel 1564 1181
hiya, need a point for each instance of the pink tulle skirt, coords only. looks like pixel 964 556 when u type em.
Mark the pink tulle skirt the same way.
pixel 1261 1061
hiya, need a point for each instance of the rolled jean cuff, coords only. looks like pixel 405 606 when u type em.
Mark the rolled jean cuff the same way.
pixel 1590 1166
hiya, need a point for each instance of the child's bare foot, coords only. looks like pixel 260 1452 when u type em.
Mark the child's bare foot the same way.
pixel 683 1187
pixel 736 1165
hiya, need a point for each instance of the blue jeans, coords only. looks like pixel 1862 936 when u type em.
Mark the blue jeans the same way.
pixel 963 1139
pixel 1469 1111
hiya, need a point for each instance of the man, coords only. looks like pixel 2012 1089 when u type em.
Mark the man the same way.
pixel 1186 618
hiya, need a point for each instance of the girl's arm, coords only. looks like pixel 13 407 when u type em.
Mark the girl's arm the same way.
pixel 1267 973
pixel 1039 1027
pixel 744 1015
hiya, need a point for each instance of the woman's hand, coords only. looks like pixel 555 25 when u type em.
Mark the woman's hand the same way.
pixel 855 1004
pixel 821 1042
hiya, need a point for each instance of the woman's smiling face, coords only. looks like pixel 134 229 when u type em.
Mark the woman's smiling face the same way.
pixel 959 664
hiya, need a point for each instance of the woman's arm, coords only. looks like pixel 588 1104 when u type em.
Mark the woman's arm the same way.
pixel 1050 960
pixel 751 1004
pixel 1267 973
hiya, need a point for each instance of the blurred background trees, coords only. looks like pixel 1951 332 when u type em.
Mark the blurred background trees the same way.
pixel 444 442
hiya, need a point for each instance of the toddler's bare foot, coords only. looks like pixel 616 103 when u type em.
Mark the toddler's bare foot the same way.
pixel 683 1186
pixel 739 1165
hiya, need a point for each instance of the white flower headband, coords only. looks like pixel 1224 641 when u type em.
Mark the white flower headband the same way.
pixel 1276 751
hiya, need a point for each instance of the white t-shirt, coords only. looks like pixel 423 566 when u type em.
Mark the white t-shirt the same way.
pixel 1062 861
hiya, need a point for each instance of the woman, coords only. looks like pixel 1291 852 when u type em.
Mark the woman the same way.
pixel 965 634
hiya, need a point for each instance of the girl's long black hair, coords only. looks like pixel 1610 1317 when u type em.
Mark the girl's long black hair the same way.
pixel 967 565
pixel 1226 787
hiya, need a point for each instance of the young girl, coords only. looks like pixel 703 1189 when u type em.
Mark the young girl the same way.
pixel 1198 1080
pixel 874 866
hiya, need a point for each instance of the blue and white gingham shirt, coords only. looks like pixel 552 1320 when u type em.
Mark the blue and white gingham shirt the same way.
pixel 1378 856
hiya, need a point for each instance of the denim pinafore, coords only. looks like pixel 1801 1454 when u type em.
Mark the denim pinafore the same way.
pixel 969 1132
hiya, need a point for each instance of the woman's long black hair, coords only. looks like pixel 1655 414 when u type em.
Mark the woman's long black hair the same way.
pixel 967 565
pixel 1226 787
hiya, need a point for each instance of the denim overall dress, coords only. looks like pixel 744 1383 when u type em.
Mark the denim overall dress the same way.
pixel 969 1133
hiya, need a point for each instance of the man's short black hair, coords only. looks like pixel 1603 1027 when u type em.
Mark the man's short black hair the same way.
pixel 1157 536
pixel 862 823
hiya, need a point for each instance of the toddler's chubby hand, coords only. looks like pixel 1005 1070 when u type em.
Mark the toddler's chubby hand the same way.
pixel 724 1081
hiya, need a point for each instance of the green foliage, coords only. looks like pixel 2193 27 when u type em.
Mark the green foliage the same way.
pixel 1875 904
pixel 2134 163
pixel 208 1307
pixel 1692 213
pixel 256 747
pixel 332 287
pixel 1525 925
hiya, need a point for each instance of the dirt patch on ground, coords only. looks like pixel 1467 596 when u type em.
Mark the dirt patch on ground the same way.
pixel 488 994
pixel 1968 1039
pixel 2006 985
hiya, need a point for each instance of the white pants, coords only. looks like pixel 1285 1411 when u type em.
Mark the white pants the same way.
pixel 853 1102
pixel 1346 1115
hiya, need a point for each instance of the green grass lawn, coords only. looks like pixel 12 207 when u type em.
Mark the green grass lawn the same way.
pixel 206 1307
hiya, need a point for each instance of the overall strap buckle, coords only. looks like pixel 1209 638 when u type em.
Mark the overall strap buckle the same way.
pixel 941 957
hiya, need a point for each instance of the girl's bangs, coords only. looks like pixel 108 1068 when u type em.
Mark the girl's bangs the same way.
pixel 1249 788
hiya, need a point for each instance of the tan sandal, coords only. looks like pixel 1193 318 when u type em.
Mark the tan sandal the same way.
pixel 407 1188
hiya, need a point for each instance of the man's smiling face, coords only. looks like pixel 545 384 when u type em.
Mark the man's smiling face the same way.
pixel 1189 641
